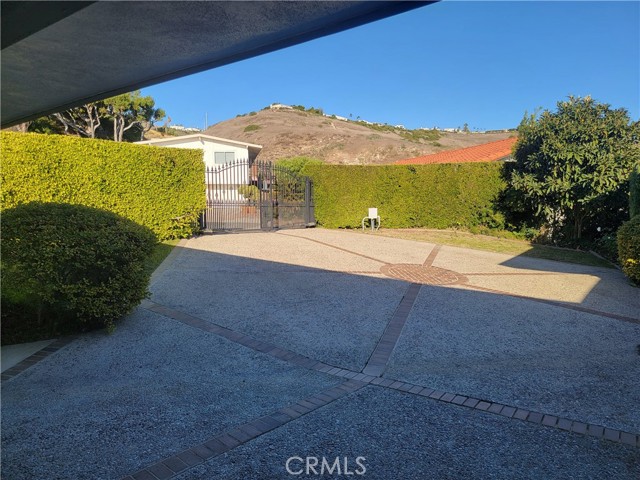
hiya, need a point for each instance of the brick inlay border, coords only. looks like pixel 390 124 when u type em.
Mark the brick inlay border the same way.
pixel 240 338
pixel 499 274
pixel 432 256
pixel 37 357
pixel 333 246
pixel 516 413
pixel 371 374
pixel 381 354
pixel 226 441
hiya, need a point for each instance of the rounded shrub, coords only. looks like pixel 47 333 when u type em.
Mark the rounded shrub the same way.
pixel 629 248
pixel 249 192
pixel 69 268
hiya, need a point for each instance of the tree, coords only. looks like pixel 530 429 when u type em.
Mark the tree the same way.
pixel 569 164
pixel 107 118
pixel 131 110
pixel 82 121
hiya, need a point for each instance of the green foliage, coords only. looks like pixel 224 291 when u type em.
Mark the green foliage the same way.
pixel 315 111
pixel 607 247
pixel 160 188
pixel 312 110
pixel 296 165
pixel 125 117
pixel 419 135
pixel 69 268
pixel 131 110
pixel 46 125
pixel 570 164
pixel 411 135
pixel 379 127
pixel 433 196
pixel 252 128
pixel 634 192
pixel 629 248
pixel 172 132
pixel 250 192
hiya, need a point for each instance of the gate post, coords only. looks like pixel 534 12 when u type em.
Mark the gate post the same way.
pixel 309 211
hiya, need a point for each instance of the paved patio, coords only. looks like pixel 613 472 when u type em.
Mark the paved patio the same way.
pixel 426 361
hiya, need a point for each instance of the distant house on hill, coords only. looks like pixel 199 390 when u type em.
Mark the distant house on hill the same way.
pixel 217 152
pixel 280 106
pixel 488 152
pixel 182 128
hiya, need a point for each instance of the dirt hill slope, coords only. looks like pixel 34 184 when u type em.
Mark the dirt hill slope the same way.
pixel 289 133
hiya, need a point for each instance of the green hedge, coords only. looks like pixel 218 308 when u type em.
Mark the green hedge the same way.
pixel 629 248
pixel 69 268
pixel 432 196
pixel 160 188
pixel 634 192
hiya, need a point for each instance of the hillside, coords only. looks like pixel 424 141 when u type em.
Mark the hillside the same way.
pixel 288 133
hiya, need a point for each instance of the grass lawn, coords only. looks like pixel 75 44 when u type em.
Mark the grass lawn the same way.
pixel 458 238
pixel 160 252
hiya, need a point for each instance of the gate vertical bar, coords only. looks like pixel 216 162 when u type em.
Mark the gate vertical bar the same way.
pixel 307 203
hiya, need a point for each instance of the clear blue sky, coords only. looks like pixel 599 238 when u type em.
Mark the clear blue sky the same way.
pixel 446 64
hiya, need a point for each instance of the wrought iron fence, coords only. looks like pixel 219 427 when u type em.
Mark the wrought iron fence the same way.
pixel 245 195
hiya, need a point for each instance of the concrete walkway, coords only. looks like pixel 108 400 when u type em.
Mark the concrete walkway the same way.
pixel 400 359
pixel 14 354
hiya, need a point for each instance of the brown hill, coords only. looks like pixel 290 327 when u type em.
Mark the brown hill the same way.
pixel 289 133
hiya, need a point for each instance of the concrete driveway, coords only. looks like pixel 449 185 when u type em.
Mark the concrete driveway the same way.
pixel 308 352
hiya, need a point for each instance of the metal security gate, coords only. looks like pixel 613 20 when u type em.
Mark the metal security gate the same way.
pixel 247 195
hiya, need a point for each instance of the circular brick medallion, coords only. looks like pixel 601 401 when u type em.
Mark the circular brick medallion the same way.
pixel 423 275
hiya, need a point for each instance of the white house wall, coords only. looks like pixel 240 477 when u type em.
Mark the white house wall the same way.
pixel 209 149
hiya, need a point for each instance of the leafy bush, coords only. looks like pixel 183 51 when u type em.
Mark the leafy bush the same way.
pixel 160 188
pixel 433 196
pixel 252 128
pixel 634 191
pixel 607 247
pixel 69 268
pixel 418 135
pixel 297 164
pixel 629 248
pixel 250 192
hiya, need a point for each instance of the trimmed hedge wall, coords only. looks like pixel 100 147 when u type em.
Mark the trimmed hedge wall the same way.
pixel 433 196
pixel 159 188
pixel 629 248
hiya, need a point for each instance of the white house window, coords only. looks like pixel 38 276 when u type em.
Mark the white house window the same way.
pixel 224 157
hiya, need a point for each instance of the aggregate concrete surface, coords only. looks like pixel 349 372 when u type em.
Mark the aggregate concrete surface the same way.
pixel 251 352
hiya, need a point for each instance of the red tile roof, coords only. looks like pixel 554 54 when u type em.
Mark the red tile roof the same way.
pixel 488 152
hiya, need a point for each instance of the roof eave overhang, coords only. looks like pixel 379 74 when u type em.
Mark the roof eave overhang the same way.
pixel 52 58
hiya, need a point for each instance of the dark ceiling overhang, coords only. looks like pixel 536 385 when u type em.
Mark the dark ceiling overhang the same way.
pixel 57 55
